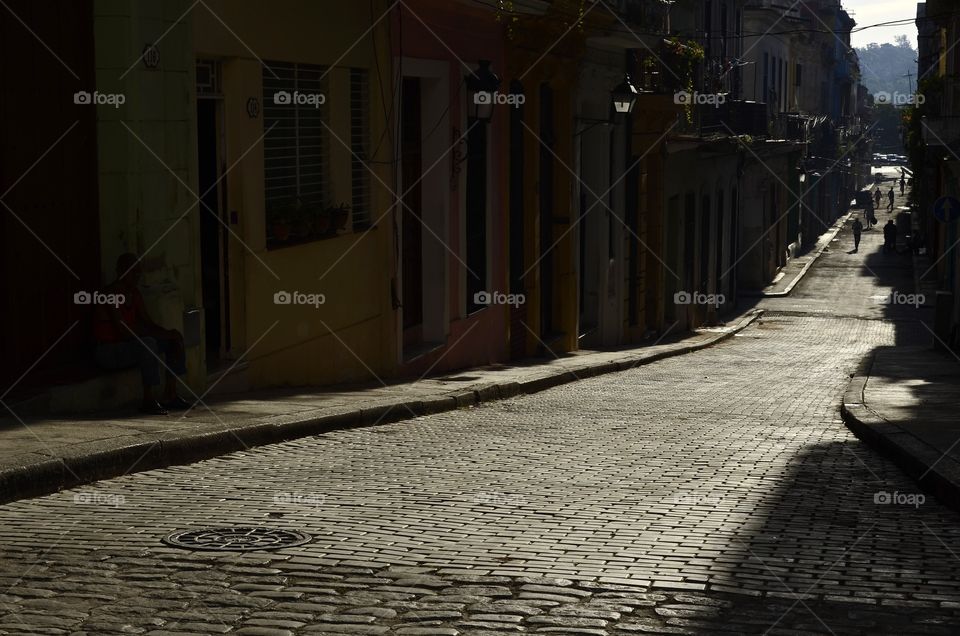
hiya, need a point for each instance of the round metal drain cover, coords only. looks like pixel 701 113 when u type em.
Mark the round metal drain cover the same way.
pixel 236 539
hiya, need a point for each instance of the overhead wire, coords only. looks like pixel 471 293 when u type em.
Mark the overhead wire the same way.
pixel 627 31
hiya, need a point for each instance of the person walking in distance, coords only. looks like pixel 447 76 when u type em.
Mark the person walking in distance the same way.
pixel 857 231
pixel 903 183
pixel 877 196
pixel 890 197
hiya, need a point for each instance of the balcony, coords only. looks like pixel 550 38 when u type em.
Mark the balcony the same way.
pixel 651 14
pixel 791 126
pixel 658 102
pixel 740 117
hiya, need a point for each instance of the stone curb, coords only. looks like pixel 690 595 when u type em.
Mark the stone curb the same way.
pixel 151 450
pixel 839 223
pixel 913 455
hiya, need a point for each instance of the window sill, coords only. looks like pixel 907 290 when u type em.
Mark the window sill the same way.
pixel 273 244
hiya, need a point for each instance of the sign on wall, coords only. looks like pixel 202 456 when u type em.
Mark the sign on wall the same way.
pixel 946 209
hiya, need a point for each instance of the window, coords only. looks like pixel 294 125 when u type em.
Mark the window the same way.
pixel 724 17
pixel 360 147
pixel 738 53
pixel 294 149
pixel 783 85
pixel 775 81
pixel 766 74
pixel 708 25
pixel 208 77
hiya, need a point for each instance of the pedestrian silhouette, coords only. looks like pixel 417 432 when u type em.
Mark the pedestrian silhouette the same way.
pixel 890 197
pixel 890 237
pixel 903 184
pixel 877 196
pixel 857 231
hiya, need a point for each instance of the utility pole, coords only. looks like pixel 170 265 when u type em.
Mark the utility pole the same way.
pixel 909 77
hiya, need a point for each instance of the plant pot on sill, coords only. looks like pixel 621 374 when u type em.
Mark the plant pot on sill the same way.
pixel 302 228
pixel 281 231
pixel 340 216
pixel 321 223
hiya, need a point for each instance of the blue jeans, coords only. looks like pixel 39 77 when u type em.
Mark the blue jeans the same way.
pixel 144 353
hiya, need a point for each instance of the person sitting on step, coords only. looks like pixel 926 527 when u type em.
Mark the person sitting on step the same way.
pixel 127 337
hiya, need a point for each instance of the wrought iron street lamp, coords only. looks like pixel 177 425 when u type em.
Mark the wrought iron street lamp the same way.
pixel 624 96
pixel 482 87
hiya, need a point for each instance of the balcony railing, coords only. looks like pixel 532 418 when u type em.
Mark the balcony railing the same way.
pixel 738 117
pixel 661 71
pixel 790 126
pixel 650 14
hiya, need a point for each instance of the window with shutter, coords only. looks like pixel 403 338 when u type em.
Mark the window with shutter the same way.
pixel 360 147
pixel 294 149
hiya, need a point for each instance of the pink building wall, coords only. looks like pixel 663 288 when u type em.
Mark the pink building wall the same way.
pixel 461 35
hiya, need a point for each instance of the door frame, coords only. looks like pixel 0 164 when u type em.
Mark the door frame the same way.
pixel 435 168
pixel 227 348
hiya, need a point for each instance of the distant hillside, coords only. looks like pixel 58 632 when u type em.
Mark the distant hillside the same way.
pixel 883 66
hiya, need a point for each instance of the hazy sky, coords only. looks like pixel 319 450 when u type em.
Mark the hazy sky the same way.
pixel 873 11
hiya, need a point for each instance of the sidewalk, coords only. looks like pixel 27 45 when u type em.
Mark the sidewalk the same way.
pixel 904 401
pixel 43 456
pixel 796 268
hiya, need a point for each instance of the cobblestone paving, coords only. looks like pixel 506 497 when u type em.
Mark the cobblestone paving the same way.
pixel 715 493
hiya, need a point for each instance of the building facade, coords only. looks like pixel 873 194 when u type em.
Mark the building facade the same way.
pixel 397 190
pixel 933 141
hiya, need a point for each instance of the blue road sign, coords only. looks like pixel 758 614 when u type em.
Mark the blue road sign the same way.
pixel 946 209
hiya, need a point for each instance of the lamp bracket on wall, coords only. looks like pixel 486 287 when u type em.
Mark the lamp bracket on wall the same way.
pixel 593 123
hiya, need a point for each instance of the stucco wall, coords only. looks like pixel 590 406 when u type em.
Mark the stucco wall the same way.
pixel 294 344
pixel 147 156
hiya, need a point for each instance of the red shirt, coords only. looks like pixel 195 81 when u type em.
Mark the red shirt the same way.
pixel 104 330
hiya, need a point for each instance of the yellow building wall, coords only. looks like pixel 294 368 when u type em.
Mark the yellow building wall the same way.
pixel 527 40
pixel 351 337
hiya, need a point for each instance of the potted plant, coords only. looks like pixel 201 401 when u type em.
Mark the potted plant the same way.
pixel 280 218
pixel 321 220
pixel 683 56
pixel 302 220
pixel 651 74
pixel 340 215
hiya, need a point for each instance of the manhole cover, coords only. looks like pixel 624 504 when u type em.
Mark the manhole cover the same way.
pixel 236 539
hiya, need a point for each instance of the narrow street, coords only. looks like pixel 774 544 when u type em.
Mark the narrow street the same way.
pixel 717 492
pixel 475 318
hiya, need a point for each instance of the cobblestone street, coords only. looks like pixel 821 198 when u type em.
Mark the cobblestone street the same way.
pixel 717 492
